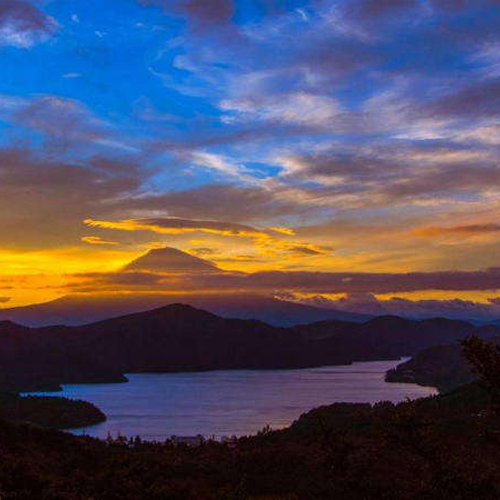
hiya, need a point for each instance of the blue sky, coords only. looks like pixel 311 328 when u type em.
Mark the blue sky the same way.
pixel 156 72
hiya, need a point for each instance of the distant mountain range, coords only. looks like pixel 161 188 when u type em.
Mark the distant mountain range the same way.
pixel 278 309
pixel 182 338
pixel 80 309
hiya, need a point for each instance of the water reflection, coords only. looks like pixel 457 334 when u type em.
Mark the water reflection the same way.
pixel 225 403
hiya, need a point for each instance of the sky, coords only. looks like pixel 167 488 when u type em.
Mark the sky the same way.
pixel 308 148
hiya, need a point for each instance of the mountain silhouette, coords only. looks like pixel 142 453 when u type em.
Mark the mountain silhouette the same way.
pixel 179 337
pixel 170 260
pixel 78 309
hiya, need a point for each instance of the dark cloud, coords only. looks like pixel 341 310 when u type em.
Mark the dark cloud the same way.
pixel 305 250
pixel 203 251
pixel 348 166
pixel 209 12
pixel 457 5
pixel 293 281
pixel 476 100
pixel 22 23
pixel 367 303
pixel 323 282
pixel 332 58
pixel 397 173
pixel 449 4
pixel 466 229
pixel 446 181
pixel 241 258
pixel 202 14
pixel 134 280
pixel 403 172
pixel 173 224
pixel 46 200
pixel 243 203
pixel 64 123
pixel 4 300
pixel 376 9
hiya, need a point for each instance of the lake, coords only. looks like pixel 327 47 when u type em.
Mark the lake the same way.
pixel 238 402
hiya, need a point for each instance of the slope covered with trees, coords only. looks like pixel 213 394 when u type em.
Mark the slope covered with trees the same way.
pixel 53 412
pixel 442 366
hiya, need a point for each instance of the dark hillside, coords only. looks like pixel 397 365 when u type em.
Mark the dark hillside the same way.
pixel 54 412
pixel 182 338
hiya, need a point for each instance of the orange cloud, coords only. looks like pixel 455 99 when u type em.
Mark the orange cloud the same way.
pixel 97 240
pixel 270 241
pixel 174 225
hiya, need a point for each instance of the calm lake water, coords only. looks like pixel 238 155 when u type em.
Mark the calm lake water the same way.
pixel 226 403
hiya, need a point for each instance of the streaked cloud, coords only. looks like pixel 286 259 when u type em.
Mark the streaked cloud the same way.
pixel 97 240
pixel 297 108
pixel 270 241
pixel 174 225
pixel 468 229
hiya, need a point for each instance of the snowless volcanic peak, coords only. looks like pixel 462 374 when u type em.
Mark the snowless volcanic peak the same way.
pixel 170 259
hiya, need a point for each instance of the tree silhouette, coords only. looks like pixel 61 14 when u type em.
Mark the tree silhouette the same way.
pixel 484 360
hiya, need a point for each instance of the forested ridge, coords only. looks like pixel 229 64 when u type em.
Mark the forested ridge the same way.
pixel 49 411
pixel 182 338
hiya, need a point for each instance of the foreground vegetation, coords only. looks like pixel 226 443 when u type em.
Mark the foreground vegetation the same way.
pixel 446 446
pixel 53 412
pixel 441 447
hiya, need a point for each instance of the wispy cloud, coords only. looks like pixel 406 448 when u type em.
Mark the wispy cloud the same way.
pixel 464 230
pixel 97 240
